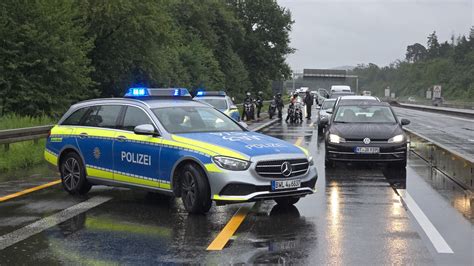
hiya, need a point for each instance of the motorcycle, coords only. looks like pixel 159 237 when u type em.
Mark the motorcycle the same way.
pixel 249 110
pixel 272 109
pixel 298 113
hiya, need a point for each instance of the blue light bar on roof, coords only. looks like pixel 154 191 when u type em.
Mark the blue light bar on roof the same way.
pixel 157 92
pixel 210 93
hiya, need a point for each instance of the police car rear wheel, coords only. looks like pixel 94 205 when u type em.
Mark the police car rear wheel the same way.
pixel 195 192
pixel 287 201
pixel 73 175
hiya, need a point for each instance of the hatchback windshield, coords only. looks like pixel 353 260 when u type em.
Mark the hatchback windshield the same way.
pixel 328 104
pixel 220 104
pixel 364 114
pixel 194 119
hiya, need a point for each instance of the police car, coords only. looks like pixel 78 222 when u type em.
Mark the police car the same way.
pixel 162 140
pixel 220 101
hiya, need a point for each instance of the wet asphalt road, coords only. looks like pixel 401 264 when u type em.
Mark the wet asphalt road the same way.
pixel 356 217
pixel 451 131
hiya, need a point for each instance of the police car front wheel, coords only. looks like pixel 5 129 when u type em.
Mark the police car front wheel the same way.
pixel 195 191
pixel 73 175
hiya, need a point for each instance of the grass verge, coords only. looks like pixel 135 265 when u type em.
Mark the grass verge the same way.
pixel 21 155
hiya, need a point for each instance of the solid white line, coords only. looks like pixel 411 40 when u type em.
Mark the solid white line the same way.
pixel 50 221
pixel 435 237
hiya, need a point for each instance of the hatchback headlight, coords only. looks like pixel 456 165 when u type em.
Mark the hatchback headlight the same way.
pixel 232 164
pixel 333 138
pixel 310 160
pixel 397 139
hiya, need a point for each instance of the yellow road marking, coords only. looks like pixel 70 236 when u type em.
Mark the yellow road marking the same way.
pixel 231 227
pixel 228 231
pixel 26 191
pixel 299 141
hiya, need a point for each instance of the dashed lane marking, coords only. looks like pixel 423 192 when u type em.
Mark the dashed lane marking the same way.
pixel 50 221
pixel 435 237
pixel 29 190
pixel 299 141
pixel 228 231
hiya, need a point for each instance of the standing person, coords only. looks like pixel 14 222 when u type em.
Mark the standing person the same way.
pixel 247 99
pixel 308 101
pixel 280 105
pixel 259 103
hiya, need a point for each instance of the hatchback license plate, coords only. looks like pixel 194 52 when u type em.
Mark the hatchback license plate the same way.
pixel 367 150
pixel 285 184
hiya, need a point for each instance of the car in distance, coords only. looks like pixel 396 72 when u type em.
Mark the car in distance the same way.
pixel 356 99
pixel 337 94
pixel 366 132
pixel 220 101
pixel 163 141
pixel 325 113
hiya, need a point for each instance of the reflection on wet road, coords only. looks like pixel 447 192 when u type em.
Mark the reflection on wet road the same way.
pixel 356 217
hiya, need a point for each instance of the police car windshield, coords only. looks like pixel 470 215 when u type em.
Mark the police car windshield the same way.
pixel 220 104
pixel 194 119
pixel 364 114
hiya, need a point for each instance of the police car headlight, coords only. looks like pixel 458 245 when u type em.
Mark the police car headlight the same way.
pixel 333 138
pixel 310 160
pixel 397 139
pixel 229 163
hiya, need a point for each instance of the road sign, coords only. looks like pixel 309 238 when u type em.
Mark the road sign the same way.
pixel 436 91
pixel 392 95
pixel 387 92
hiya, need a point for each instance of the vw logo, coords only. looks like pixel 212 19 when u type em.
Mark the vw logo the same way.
pixel 286 169
pixel 366 141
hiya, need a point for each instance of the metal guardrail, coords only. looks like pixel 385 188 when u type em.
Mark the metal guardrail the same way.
pixel 468 113
pixel 9 136
pixel 455 165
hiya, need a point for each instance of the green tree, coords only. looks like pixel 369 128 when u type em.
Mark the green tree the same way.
pixel 44 57
pixel 415 52
pixel 266 42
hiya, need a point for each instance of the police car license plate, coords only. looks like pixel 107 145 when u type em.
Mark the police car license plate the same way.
pixel 284 184
pixel 367 150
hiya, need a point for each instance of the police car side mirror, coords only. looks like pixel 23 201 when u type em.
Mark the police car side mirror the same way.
pixel 405 122
pixel 244 125
pixel 233 107
pixel 145 129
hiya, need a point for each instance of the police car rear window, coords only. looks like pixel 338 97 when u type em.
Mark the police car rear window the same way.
pixel 194 119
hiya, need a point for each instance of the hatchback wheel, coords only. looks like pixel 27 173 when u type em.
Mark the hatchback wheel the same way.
pixel 73 175
pixel 195 191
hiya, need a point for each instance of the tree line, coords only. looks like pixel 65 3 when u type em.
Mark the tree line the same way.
pixel 57 52
pixel 450 64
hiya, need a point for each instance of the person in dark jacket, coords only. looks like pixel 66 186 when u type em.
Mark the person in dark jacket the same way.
pixel 259 103
pixel 308 101
pixel 280 105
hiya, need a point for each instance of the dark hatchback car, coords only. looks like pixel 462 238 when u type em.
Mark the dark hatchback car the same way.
pixel 366 132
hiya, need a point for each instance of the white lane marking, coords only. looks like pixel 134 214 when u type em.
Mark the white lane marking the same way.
pixel 50 221
pixel 435 237
pixel 471 140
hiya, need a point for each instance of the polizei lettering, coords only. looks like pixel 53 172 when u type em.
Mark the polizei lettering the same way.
pixel 137 158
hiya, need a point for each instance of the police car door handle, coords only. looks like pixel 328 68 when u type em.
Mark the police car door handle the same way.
pixel 83 135
pixel 121 138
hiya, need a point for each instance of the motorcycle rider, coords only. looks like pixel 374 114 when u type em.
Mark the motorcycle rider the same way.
pixel 247 99
pixel 279 104
pixel 293 100
pixel 259 103
pixel 308 101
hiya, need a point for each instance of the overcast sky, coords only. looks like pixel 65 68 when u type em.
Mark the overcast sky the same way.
pixel 332 33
